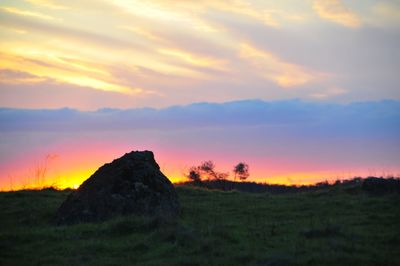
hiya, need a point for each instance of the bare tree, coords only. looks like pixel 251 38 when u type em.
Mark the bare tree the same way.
pixel 241 170
pixel 194 174
pixel 206 170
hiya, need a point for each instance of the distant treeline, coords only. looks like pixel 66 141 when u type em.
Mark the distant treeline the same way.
pixel 375 185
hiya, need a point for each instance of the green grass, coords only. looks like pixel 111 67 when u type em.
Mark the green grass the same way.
pixel 328 227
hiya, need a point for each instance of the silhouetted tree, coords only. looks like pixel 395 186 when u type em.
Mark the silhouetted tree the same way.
pixel 241 170
pixel 206 170
pixel 194 174
pixel 222 176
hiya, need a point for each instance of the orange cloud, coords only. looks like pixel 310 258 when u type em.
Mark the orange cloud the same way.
pixel 336 11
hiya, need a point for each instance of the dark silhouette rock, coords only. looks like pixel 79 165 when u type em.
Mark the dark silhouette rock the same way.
pixel 132 184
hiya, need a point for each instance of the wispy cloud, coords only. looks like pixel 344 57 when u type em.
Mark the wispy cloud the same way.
pixel 273 68
pixel 247 9
pixel 62 70
pixel 8 76
pixel 336 11
pixel 386 13
pixel 193 59
pixel 141 31
pixel 186 51
pixel 48 4
pixel 27 13
pixel 330 92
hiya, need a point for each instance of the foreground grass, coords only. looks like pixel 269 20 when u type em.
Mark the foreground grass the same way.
pixel 327 227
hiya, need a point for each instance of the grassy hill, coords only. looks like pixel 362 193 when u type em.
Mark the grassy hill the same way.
pixel 324 227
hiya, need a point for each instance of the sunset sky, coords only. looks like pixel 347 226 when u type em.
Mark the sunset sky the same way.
pixel 301 90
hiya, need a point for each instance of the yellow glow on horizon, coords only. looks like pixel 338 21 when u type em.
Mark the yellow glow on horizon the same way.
pixel 68 179
pixel 75 179
pixel 70 174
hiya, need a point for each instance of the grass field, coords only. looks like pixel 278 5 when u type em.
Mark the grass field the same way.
pixel 326 227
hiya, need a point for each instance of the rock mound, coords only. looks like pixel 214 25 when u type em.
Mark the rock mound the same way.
pixel 132 184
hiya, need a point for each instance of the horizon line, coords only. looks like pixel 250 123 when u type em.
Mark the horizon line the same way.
pixel 106 108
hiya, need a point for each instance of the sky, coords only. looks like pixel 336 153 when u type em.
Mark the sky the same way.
pixel 92 60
